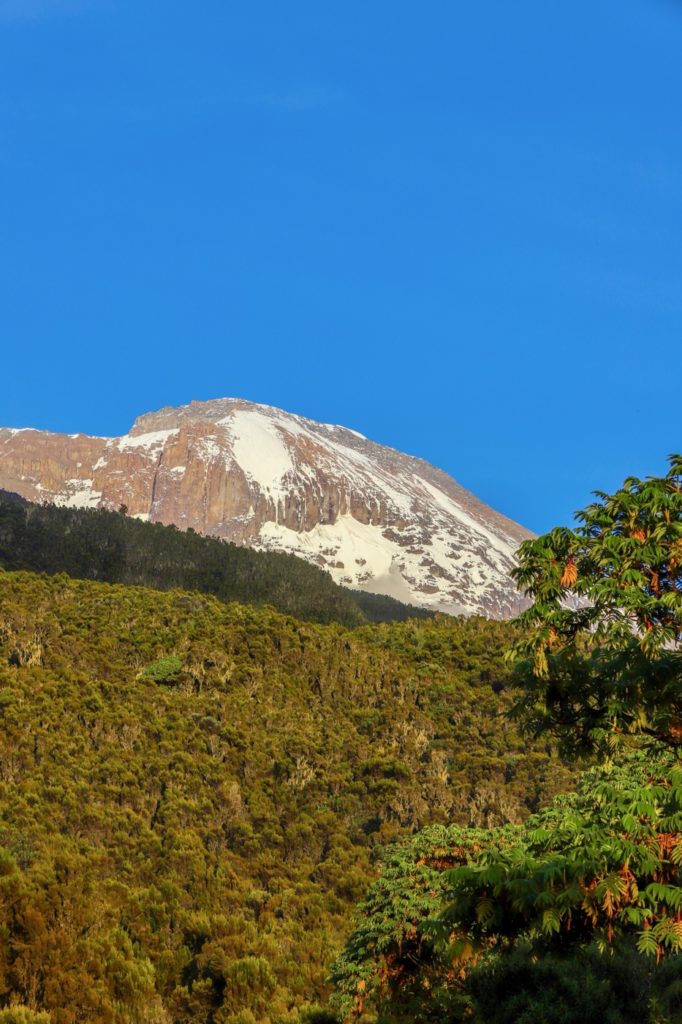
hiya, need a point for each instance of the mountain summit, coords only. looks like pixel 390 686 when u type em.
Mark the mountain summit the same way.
pixel 375 518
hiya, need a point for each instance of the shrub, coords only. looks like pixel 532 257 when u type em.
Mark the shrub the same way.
pixel 165 670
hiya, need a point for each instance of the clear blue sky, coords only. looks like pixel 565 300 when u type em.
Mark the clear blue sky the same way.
pixel 455 227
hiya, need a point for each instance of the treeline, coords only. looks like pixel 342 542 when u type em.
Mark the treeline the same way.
pixel 112 548
pixel 192 794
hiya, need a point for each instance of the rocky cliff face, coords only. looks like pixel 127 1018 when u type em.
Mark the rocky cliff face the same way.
pixel 377 519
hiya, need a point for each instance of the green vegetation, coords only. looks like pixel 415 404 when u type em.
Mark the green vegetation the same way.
pixel 165 670
pixel 606 665
pixel 382 608
pixel 455 908
pixel 22 1015
pixel 193 794
pixel 112 548
pixel 502 925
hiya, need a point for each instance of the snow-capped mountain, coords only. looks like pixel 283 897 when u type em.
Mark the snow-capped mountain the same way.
pixel 375 518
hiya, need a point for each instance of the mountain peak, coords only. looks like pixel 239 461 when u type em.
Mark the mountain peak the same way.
pixel 374 517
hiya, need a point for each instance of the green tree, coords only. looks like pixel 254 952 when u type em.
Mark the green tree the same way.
pixel 454 909
pixel 598 666
pixel 600 658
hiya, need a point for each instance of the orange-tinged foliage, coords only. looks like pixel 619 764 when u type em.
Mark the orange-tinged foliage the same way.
pixel 191 792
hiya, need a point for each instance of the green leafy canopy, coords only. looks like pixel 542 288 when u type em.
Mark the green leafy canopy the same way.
pixel 600 657
pixel 597 665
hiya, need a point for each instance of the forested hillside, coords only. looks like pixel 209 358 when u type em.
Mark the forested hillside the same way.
pixel 192 793
pixel 574 916
pixel 113 548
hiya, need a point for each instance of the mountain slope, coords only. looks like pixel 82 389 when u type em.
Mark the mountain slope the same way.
pixel 112 548
pixel 375 518
pixel 191 792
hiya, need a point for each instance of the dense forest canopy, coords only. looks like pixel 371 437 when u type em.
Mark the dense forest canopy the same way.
pixel 575 914
pixel 195 794
pixel 96 544
pixel 192 793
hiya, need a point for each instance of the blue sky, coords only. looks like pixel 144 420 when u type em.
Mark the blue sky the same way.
pixel 454 227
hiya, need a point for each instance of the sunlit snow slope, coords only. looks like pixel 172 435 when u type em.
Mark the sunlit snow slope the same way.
pixel 376 518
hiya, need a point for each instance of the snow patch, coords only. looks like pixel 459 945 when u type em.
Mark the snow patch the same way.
pixel 502 546
pixel 360 555
pixel 259 449
pixel 346 540
pixel 79 495
pixel 152 440
pixel 347 430
pixel 209 449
